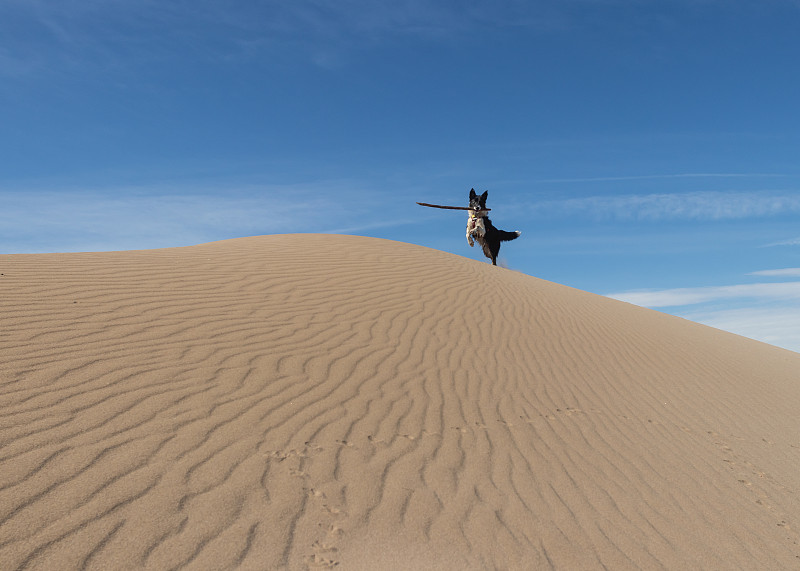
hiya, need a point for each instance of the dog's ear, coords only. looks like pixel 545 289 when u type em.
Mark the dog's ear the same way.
pixel 484 196
pixel 472 194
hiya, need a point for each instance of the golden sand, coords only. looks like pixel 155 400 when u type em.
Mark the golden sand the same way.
pixel 306 401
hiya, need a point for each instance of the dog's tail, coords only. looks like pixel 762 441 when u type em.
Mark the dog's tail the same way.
pixel 508 236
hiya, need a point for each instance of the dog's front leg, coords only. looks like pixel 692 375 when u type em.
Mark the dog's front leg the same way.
pixel 479 228
pixel 470 229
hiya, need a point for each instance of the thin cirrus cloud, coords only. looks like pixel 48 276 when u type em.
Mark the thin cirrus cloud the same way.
pixel 792 242
pixel 691 296
pixel 773 325
pixel 701 205
pixel 782 273
pixel 767 312
pixel 660 176
pixel 125 218
pixel 103 32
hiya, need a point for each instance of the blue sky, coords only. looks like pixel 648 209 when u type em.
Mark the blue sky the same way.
pixel 648 150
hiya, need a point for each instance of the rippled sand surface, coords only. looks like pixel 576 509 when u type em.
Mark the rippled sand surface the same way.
pixel 313 401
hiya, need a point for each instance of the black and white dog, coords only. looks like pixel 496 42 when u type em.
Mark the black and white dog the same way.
pixel 481 229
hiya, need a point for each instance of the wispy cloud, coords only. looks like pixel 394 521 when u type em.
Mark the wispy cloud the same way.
pixel 782 273
pixel 72 37
pixel 702 205
pixel 106 34
pixel 792 242
pixel 434 19
pixel 660 177
pixel 778 326
pixel 696 295
pixel 141 218
pixel 767 312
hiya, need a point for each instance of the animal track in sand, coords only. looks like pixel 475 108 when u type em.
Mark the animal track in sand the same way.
pixel 324 550
pixel 329 514
pixel 568 411
pixel 755 479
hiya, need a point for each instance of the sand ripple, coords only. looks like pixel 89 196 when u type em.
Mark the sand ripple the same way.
pixel 307 401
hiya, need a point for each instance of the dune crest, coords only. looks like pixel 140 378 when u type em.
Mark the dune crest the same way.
pixel 311 401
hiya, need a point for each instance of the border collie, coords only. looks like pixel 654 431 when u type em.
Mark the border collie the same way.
pixel 481 229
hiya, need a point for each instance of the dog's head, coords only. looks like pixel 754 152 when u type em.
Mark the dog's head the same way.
pixel 477 202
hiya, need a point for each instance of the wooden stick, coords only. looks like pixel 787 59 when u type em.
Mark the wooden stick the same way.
pixel 451 207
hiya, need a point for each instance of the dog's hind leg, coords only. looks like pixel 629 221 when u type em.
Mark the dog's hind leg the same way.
pixel 489 252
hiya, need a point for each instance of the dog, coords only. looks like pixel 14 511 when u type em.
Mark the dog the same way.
pixel 480 228
pixel 476 228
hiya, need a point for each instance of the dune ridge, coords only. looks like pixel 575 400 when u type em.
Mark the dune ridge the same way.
pixel 314 401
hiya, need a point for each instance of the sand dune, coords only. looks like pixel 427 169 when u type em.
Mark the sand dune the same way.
pixel 306 401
